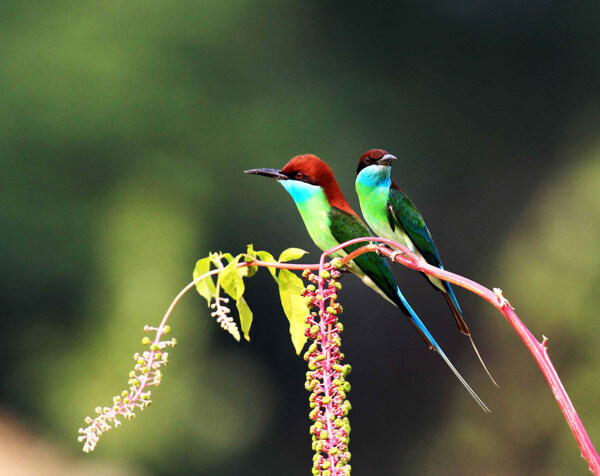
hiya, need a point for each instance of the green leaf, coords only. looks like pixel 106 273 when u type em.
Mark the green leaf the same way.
pixel 205 287
pixel 245 317
pixel 266 256
pixel 291 254
pixel 230 279
pixel 249 271
pixel 294 305
pixel 227 256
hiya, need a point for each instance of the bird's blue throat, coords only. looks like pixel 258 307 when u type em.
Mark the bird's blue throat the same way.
pixel 301 192
pixel 374 176
pixel 314 208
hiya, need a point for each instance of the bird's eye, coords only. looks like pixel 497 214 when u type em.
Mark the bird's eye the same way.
pixel 299 175
pixel 368 160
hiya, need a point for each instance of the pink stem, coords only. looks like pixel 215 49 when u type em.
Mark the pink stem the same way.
pixel 410 260
pixel 326 365
pixel 538 349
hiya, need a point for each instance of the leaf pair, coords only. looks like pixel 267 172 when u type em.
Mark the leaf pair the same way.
pixel 231 279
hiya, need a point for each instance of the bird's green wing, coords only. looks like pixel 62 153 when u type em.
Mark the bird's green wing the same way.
pixel 345 227
pixel 402 213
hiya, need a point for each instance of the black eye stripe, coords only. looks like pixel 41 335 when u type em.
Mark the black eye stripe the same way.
pixel 364 163
pixel 303 178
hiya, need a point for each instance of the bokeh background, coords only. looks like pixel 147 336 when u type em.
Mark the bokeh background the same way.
pixel 124 131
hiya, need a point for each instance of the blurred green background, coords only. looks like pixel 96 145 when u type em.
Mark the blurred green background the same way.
pixel 124 131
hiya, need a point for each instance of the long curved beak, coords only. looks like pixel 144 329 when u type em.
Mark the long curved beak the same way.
pixel 387 159
pixel 273 173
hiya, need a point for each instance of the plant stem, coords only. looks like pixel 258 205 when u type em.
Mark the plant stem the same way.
pixel 407 258
pixel 538 349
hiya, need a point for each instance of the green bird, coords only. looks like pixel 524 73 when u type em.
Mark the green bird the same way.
pixel 330 221
pixel 391 214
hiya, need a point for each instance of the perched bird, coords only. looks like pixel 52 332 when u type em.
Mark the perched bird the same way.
pixel 391 214
pixel 330 221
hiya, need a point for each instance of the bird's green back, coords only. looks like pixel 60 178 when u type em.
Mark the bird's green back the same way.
pixel 402 213
pixel 345 227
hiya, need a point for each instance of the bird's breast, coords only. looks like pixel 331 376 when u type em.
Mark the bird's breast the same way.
pixel 315 214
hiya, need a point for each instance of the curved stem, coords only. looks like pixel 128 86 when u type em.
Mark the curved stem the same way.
pixel 405 257
pixel 538 349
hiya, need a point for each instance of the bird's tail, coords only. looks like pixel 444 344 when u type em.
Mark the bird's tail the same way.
pixel 456 311
pixel 462 325
pixel 412 315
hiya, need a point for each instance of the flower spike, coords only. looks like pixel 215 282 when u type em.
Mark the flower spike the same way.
pixel 145 373
pixel 326 378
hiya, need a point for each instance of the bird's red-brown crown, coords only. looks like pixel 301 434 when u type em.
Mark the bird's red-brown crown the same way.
pixel 374 154
pixel 310 169
pixel 369 157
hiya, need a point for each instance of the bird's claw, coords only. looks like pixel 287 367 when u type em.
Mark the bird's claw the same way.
pixel 394 254
pixel 372 244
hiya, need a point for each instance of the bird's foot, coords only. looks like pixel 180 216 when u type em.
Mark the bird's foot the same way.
pixel 394 254
pixel 378 246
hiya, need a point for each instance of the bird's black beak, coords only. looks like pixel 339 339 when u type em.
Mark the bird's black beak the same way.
pixel 273 173
pixel 387 159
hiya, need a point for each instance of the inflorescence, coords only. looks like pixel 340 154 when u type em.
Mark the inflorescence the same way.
pixel 222 313
pixel 145 373
pixel 326 378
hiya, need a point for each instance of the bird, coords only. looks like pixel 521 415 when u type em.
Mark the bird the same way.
pixel 330 221
pixel 391 214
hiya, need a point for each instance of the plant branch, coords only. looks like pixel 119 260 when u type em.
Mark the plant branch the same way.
pixel 153 358
pixel 539 350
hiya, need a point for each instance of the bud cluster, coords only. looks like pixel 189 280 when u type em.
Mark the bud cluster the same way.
pixel 221 312
pixel 326 378
pixel 145 373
